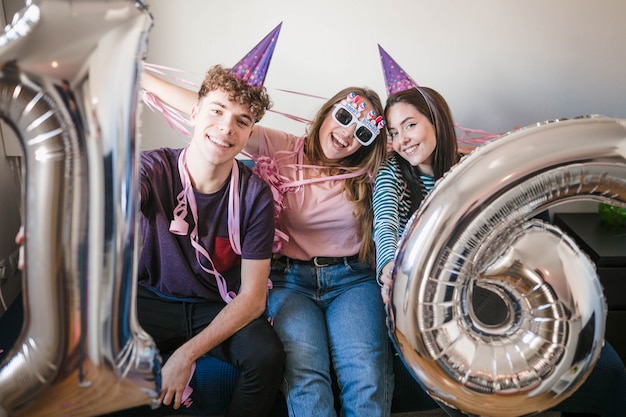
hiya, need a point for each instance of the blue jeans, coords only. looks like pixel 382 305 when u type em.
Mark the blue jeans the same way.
pixel 331 321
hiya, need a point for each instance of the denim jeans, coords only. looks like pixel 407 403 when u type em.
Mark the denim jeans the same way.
pixel 331 321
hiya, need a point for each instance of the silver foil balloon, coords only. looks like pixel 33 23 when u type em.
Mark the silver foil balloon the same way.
pixel 474 238
pixel 81 351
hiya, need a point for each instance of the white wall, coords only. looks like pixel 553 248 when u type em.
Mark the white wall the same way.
pixel 499 63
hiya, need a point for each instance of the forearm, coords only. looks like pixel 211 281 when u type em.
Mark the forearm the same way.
pixel 386 245
pixel 386 241
pixel 233 317
pixel 388 189
pixel 176 96
pixel 178 368
pixel 248 305
pixel 386 234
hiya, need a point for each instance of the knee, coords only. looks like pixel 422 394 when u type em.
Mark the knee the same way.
pixel 267 356
pixel 272 354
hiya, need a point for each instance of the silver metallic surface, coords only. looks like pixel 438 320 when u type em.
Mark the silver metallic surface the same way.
pixel 476 233
pixel 81 351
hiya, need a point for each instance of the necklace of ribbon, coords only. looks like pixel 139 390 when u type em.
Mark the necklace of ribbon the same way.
pixel 187 202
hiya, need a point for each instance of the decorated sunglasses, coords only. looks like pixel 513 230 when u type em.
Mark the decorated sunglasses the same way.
pixel 348 112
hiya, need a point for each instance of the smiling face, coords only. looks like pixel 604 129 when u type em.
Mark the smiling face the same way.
pixel 221 128
pixel 338 141
pixel 413 135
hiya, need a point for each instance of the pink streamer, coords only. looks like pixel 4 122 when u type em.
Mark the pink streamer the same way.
pixel 186 398
pixel 157 70
pixel 300 94
pixel 187 202
pixel 474 137
pixel 180 122
pixel 291 116
pixel 176 119
pixel 268 169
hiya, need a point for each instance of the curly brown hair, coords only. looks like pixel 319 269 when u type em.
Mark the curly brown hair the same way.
pixel 256 98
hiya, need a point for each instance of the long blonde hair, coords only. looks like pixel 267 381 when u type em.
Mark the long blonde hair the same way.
pixel 369 158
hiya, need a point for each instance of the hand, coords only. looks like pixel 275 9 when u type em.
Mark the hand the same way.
pixel 19 239
pixel 387 281
pixel 175 375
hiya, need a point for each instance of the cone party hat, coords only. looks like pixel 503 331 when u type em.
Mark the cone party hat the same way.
pixel 253 67
pixel 395 77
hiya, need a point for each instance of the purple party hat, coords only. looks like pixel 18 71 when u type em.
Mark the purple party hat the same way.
pixel 395 77
pixel 253 67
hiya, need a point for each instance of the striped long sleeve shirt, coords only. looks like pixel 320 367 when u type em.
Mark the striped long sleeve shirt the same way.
pixel 392 205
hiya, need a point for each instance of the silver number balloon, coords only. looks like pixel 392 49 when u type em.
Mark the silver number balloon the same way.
pixel 69 89
pixel 475 233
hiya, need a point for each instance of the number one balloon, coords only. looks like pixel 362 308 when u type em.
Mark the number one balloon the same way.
pixel 69 83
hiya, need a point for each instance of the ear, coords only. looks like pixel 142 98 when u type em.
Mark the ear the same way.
pixel 194 114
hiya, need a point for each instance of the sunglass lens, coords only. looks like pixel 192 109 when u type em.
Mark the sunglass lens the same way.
pixel 343 116
pixel 363 134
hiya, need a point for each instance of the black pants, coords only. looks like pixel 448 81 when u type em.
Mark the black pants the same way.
pixel 255 350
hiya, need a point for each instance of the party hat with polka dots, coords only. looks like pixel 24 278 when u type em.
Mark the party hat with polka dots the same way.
pixel 395 77
pixel 253 67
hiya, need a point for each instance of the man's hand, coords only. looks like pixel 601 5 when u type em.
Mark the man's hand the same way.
pixel 175 375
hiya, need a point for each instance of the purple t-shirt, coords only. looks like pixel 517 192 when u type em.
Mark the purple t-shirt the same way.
pixel 168 262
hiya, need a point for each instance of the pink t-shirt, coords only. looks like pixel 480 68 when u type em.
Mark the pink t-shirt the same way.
pixel 318 217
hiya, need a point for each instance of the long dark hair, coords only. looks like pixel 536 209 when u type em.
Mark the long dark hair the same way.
pixel 432 105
